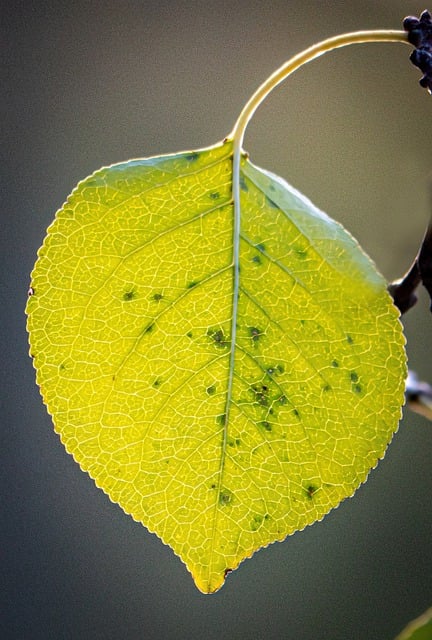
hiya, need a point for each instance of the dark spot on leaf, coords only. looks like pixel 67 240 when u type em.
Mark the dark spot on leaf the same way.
pixel 349 339
pixel 354 376
pixel 192 284
pixel 191 157
pixel 310 491
pixel 302 253
pixel 326 387
pixel 257 260
pixel 270 371
pixel 280 368
pixel 227 571
pixel 296 412
pixel 255 333
pixel 215 195
pixel 266 425
pixel 157 296
pixel 335 363
pixel 357 388
pixel 129 295
pixel 218 337
pixel 282 400
pixel 231 442
pixel 302 322
pixel 256 522
pixel 189 334
pixel 30 292
pixel 213 486
pixel 62 367
pixel 260 394
pixel 221 419
pixel 260 246
pixel 243 185
pixel 225 497
pixel 149 328
pixel 211 390
pixel 238 441
pixel 157 383
pixel 266 517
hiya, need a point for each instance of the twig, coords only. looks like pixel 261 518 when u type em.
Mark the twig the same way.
pixel 420 272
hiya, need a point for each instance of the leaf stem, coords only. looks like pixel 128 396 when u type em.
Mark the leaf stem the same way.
pixel 298 61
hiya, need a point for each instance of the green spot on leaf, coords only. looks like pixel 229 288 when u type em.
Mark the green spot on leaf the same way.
pixel 256 522
pixel 129 295
pixel 266 425
pixel 221 419
pixel 225 497
pixel 218 337
pixel 310 491
pixel 254 333
pixel 260 394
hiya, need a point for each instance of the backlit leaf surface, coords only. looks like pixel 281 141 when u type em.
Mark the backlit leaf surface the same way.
pixel 222 411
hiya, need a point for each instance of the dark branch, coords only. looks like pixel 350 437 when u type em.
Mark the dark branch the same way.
pixel 420 35
pixel 403 290
pixel 424 261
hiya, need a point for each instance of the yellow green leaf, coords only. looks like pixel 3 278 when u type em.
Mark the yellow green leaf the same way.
pixel 419 629
pixel 226 380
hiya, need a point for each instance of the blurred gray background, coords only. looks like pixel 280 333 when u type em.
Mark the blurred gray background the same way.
pixel 86 84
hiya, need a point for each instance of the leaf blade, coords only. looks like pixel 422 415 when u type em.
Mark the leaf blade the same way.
pixel 194 399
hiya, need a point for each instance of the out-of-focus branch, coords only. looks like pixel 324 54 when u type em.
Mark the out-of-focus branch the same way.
pixel 418 395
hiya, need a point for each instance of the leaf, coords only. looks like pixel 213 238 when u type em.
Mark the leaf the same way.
pixel 419 629
pixel 225 403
